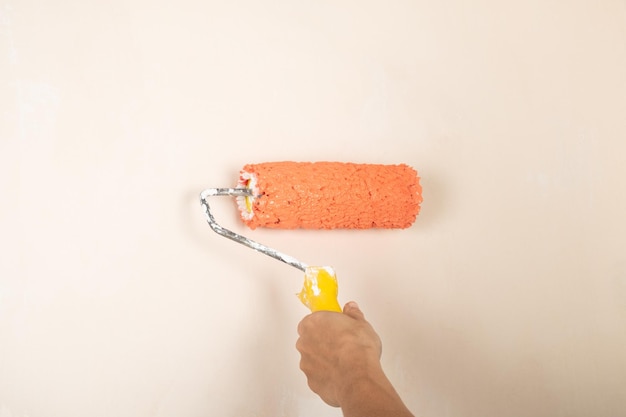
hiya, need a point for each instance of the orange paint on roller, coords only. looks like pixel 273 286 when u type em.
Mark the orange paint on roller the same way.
pixel 329 195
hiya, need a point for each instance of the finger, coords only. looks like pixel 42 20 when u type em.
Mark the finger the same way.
pixel 302 325
pixel 299 345
pixel 352 309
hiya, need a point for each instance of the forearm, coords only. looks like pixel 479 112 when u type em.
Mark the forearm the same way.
pixel 372 395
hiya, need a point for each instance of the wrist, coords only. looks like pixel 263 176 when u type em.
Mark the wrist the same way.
pixel 370 393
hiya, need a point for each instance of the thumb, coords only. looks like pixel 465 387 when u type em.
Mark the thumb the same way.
pixel 352 309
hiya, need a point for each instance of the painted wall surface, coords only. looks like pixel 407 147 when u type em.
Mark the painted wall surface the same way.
pixel 506 298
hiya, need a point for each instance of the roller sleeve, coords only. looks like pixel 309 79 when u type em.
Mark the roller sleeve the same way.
pixel 329 195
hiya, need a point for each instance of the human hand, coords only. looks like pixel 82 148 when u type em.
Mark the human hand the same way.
pixel 336 349
pixel 340 356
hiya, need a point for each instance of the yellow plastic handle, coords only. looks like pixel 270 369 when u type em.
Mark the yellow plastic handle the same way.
pixel 319 292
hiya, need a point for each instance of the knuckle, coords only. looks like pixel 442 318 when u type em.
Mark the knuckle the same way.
pixel 299 345
pixel 304 324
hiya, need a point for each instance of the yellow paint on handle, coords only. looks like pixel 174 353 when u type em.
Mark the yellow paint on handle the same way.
pixel 319 292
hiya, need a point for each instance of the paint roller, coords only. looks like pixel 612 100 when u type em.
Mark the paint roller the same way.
pixel 319 195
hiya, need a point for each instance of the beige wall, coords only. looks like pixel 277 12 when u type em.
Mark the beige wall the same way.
pixel 506 298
